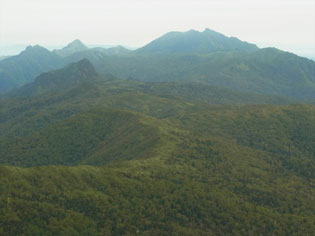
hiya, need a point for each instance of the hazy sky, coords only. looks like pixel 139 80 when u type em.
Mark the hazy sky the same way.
pixel 286 24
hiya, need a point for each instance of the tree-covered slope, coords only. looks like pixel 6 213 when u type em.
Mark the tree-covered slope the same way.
pixel 205 180
pixel 106 156
pixel 77 88
pixel 93 137
pixel 284 132
pixel 205 93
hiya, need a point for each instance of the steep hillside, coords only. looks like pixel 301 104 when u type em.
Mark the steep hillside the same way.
pixel 15 71
pixel 59 80
pixel 18 70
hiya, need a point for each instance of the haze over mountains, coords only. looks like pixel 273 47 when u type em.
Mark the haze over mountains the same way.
pixel 75 46
pixel 196 42
pixel 193 134
pixel 207 57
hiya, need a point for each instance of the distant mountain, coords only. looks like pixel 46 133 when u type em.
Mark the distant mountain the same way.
pixel 17 70
pixel 61 79
pixel 196 42
pixel 189 150
pixel 118 50
pixel 269 72
pixel 75 46
pixel 207 57
pixel 112 51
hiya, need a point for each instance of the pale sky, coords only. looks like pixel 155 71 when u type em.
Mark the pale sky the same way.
pixel 286 24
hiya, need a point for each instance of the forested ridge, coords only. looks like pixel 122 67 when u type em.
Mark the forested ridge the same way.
pixel 85 153
pixel 157 164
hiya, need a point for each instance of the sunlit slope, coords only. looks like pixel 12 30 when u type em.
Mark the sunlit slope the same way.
pixel 286 133
pixel 214 175
pixel 93 137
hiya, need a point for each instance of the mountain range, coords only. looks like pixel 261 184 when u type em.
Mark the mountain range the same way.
pixel 196 42
pixel 210 58
pixel 75 46
pixel 170 139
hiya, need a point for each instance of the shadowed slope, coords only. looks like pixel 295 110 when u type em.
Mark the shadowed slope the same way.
pixel 65 78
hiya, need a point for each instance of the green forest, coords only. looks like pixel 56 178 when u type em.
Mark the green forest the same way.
pixel 157 149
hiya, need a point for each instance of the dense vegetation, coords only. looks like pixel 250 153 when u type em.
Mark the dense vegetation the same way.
pixel 202 135
pixel 203 192
pixel 111 157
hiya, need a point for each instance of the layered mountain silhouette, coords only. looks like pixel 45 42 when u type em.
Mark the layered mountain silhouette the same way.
pixel 98 150
pixel 266 71
pixel 196 42
pixel 61 79
pixel 17 70
pixel 75 46
pixel 205 144
pixel 204 57
pixel 118 50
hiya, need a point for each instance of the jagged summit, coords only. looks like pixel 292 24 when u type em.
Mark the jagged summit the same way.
pixel 83 68
pixel 74 46
pixel 34 49
pixel 57 80
pixel 77 45
pixel 194 41
pixel 74 72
